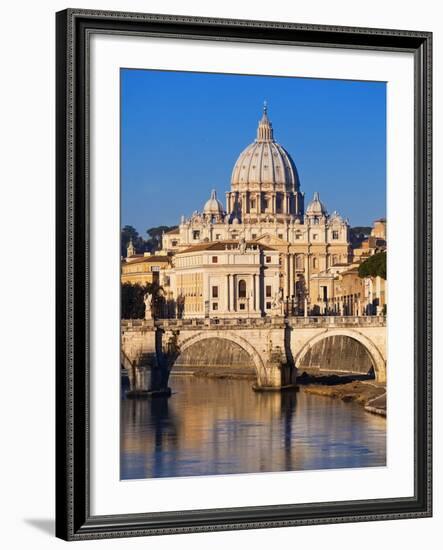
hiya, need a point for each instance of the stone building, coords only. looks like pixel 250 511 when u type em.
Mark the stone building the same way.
pixel 227 279
pixel 143 268
pixel 379 229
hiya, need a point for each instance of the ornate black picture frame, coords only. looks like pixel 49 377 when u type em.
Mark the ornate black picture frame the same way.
pixel 74 520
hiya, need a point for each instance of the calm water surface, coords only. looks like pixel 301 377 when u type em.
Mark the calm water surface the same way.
pixel 215 426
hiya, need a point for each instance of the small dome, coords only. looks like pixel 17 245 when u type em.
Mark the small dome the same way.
pixel 213 205
pixel 316 207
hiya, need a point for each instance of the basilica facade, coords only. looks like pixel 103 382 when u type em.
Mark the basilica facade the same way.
pixel 262 253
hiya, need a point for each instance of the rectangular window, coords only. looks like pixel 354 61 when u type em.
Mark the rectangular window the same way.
pixel 268 291
pixel 174 243
pixel 252 203
pixel 298 235
pixel 268 305
pixel 280 236
pixel 254 236
pixel 215 291
pixel 268 259
pixel 242 306
pixel 217 236
pixel 196 235
pixel 215 306
pixel 214 259
pixel 335 234
pixel 314 236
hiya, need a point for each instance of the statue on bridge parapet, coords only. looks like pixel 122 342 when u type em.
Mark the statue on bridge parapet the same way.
pixel 148 306
pixel 277 303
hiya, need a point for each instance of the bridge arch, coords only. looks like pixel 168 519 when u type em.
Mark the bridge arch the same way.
pixel 377 358
pixel 232 337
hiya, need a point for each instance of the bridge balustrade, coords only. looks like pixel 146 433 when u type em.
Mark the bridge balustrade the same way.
pixel 314 321
pixel 337 321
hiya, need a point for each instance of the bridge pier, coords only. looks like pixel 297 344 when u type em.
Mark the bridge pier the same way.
pixel 148 375
pixel 277 374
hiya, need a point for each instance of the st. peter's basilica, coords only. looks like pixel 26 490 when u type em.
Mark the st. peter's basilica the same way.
pixel 263 253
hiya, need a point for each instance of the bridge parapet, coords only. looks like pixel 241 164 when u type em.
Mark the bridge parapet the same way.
pixel 336 321
pixel 254 322
pixel 201 324
pixel 269 322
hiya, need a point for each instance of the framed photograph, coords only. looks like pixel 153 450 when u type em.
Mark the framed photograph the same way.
pixel 243 274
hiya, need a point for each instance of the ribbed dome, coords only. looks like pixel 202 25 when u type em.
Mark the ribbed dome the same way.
pixel 265 161
pixel 213 205
pixel 316 207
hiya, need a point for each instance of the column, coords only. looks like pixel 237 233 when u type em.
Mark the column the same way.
pixel 228 297
pixel 257 292
pixel 274 203
pixel 258 199
pixel 289 275
pixel 206 294
pixel 307 274
pixel 232 292
pixel 285 273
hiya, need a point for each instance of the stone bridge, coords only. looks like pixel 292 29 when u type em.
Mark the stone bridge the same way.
pixel 276 346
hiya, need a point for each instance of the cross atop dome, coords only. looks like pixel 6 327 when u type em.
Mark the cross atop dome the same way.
pixel 264 130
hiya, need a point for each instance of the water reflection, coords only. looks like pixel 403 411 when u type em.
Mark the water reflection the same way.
pixel 213 426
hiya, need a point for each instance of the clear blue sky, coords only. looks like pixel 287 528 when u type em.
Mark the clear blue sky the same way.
pixel 182 132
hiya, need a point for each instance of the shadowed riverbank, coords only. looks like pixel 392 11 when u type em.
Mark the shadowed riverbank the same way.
pixel 357 389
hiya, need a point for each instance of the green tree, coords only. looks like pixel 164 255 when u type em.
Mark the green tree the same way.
pixel 133 300
pixel 155 236
pixel 359 233
pixel 374 266
pixel 127 233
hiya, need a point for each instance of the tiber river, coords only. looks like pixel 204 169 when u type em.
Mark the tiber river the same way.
pixel 217 426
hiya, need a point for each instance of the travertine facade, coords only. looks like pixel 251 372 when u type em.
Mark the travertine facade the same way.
pixel 227 279
pixel 265 208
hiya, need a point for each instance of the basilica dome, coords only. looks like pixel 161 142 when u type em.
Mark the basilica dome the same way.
pixel 265 161
pixel 316 207
pixel 213 205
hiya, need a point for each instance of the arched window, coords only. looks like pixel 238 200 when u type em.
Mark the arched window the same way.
pixel 242 289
